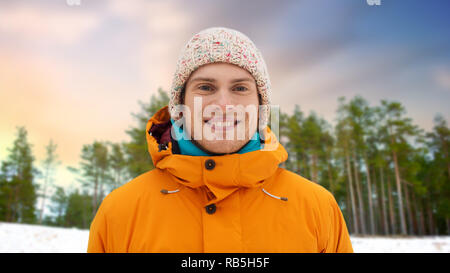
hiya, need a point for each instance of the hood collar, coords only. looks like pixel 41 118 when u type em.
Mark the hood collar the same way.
pixel 230 171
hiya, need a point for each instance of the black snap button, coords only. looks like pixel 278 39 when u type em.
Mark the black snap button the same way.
pixel 162 146
pixel 210 209
pixel 210 164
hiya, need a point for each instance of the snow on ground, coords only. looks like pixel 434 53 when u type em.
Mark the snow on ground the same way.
pixel 428 244
pixel 34 238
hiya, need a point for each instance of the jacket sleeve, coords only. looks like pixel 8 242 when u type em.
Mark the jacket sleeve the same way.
pixel 338 236
pixel 97 233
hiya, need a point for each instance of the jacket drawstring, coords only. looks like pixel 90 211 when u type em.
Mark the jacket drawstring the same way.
pixel 164 191
pixel 274 196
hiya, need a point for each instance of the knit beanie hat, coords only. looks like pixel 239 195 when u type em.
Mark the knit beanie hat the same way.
pixel 220 44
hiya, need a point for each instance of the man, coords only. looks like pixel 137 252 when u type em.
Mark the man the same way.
pixel 217 185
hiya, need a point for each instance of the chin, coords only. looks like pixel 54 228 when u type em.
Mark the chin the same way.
pixel 222 146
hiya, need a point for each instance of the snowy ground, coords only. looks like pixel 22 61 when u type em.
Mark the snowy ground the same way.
pixel 33 238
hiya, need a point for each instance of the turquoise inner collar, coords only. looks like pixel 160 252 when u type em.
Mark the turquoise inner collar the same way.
pixel 189 148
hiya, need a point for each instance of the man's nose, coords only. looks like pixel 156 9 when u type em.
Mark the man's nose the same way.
pixel 223 99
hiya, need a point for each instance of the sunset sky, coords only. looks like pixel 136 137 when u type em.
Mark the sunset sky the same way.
pixel 74 70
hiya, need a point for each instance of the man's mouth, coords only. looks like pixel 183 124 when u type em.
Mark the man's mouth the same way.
pixel 221 124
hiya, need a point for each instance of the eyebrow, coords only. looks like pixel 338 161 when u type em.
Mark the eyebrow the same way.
pixel 214 80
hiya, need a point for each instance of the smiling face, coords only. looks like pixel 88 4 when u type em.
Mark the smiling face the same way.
pixel 228 93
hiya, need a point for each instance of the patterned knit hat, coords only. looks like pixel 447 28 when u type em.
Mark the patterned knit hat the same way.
pixel 219 44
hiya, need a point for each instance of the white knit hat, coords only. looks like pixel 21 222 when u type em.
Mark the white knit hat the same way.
pixel 220 44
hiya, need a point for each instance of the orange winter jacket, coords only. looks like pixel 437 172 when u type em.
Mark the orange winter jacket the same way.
pixel 228 203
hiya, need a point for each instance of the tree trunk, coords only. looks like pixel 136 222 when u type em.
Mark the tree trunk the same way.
pixel 376 204
pixel 8 207
pixel 314 171
pixel 413 207
pixel 352 195
pixel 417 214
pixel 330 171
pixel 102 179
pixel 399 193
pixel 41 215
pixel 44 195
pixel 83 214
pixel 448 226
pixel 15 217
pixel 348 209
pixel 359 195
pixel 118 178
pixel 60 214
pixel 445 151
pixel 383 204
pixel 100 193
pixel 409 215
pixel 430 217
pixel 391 207
pixel 306 171
pixel 330 177
pixel 369 197
pixel 94 198
pixel 422 220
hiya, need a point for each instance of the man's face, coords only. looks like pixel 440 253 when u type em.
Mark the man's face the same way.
pixel 223 88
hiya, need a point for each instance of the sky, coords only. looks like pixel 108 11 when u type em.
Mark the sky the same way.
pixel 74 70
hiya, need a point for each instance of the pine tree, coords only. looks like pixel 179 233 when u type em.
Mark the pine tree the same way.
pixel 361 116
pixel 18 190
pixel 343 135
pixel 312 143
pixel 438 174
pixel 328 155
pixel 118 165
pixel 94 171
pixel 138 159
pixel 295 144
pixel 59 205
pixel 397 128
pixel 78 212
pixel 49 165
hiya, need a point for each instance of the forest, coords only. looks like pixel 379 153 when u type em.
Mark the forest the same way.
pixel 389 176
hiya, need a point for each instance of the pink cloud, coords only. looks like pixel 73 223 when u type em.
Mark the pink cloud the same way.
pixel 35 23
pixel 442 77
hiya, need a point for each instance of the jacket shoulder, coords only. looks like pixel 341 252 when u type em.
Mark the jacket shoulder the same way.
pixel 319 206
pixel 142 188
pixel 301 187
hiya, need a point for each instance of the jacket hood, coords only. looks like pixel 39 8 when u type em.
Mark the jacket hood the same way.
pixel 229 173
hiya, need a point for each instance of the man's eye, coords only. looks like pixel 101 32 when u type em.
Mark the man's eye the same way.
pixel 241 88
pixel 204 87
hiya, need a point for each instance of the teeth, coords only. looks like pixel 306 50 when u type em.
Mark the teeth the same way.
pixel 223 123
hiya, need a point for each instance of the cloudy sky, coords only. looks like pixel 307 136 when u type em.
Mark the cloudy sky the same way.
pixel 74 70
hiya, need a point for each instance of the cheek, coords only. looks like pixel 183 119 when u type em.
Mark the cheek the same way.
pixel 252 99
pixel 189 102
pixel 196 105
pixel 251 102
